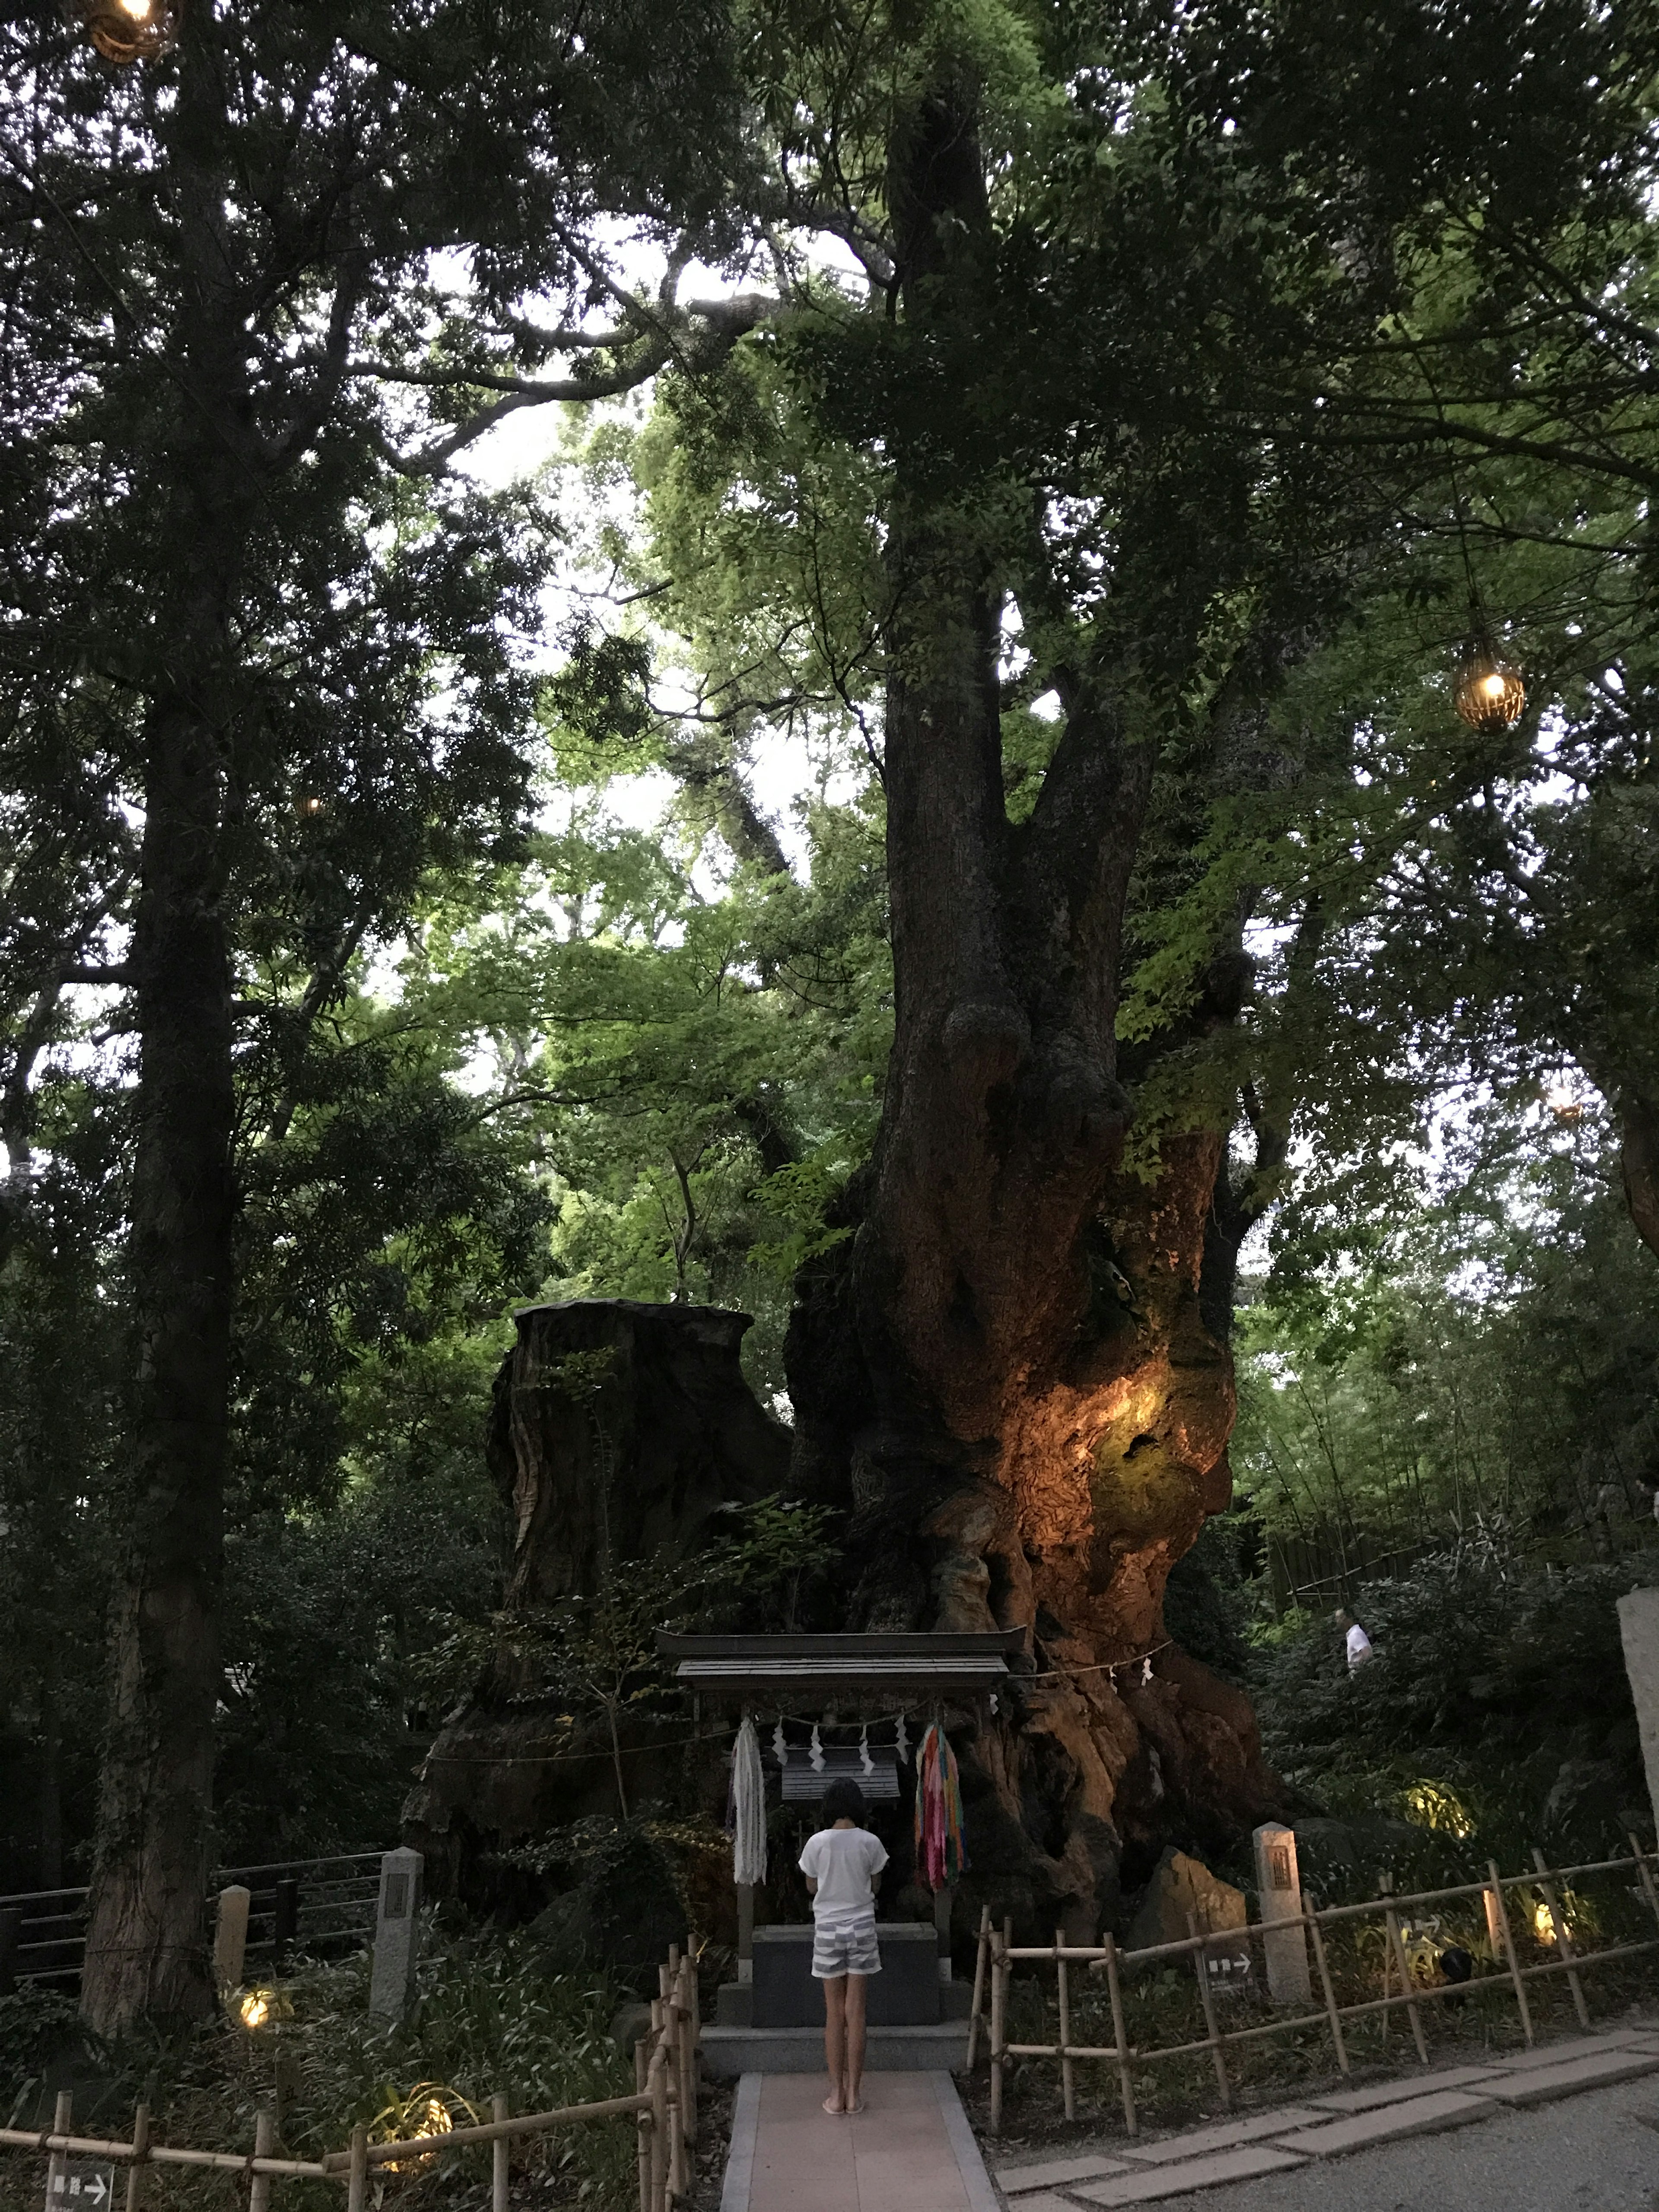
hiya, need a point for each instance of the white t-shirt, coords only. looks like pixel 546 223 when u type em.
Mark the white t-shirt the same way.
pixel 1359 1647
pixel 841 1862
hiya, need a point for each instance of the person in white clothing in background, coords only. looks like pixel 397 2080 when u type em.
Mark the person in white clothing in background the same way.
pixel 843 1864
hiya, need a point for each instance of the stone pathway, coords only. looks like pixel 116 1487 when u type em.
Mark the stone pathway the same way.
pixel 911 2150
pixel 1300 2138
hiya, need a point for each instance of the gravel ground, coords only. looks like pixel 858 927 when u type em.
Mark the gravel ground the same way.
pixel 1595 2153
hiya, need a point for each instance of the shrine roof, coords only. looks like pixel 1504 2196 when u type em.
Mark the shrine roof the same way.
pixel 751 1666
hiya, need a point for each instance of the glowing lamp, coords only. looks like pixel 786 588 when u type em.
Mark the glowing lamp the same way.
pixel 1543 1924
pixel 309 805
pixel 428 2111
pixel 128 31
pixel 255 2009
pixel 1488 693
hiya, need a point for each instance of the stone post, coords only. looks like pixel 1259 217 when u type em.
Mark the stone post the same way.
pixel 1639 1625
pixel 230 1935
pixel 397 1934
pixel 1279 1884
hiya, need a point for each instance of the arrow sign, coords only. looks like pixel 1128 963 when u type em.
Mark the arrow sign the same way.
pixel 79 2184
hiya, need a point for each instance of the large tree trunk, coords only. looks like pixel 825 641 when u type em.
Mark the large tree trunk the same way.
pixel 146 1944
pixel 1005 1371
pixel 147 1951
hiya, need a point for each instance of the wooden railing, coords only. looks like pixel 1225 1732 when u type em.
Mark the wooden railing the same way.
pixel 318 1906
pixel 999 1954
pixel 664 2107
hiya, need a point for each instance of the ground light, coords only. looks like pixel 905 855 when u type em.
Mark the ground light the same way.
pixel 128 31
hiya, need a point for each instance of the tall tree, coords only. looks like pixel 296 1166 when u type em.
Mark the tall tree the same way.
pixel 257 305
pixel 1136 388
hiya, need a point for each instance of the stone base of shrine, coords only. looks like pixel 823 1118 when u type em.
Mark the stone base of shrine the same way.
pixel 729 2052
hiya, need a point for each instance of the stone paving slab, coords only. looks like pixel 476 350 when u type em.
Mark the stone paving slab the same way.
pixel 1558 2054
pixel 1244 2163
pixel 1395 2093
pixel 1223 2137
pixel 1536 2085
pixel 1420 2116
pixel 1055 2173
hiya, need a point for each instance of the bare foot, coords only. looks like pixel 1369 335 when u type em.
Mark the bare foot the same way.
pixel 859 2107
pixel 835 2106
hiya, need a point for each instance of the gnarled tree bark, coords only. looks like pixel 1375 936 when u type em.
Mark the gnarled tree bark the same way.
pixel 1004 1371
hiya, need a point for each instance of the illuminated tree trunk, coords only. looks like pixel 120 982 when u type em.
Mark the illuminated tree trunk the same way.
pixel 1004 1371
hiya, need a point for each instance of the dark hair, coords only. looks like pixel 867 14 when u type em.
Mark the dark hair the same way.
pixel 844 1801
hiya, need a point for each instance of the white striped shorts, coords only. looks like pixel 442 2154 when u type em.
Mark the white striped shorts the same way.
pixel 845 1947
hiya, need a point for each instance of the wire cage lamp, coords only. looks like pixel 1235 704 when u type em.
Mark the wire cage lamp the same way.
pixel 128 31
pixel 1487 690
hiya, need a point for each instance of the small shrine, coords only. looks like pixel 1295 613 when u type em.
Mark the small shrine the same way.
pixel 812 1707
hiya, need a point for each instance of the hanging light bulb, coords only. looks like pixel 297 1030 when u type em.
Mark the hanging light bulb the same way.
pixel 1487 693
pixel 128 31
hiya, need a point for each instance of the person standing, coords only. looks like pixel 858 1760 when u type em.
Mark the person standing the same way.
pixel 842 1863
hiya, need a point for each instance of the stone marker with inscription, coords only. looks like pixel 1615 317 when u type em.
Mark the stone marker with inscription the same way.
pixel 397 1934
pixel 1278 1886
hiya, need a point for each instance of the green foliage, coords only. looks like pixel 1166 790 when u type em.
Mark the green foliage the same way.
pixel 488 2016
pixel 1498 1679
pixel 1491 1366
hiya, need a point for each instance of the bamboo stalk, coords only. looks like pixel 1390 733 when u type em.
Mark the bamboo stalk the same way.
pixel 500 2152
pixel 1125 2083
pixel 264 2142
pixel 1496 1885
pixel 657 2082
pixel 999 2019
pixel 1332 2013
pixel 530 2125
pixel 1206 1997
pixel 980 1956
pixel 1067 2078
pixel 642 2128
pixel 140 2146
pixel 1563 1941
pixel 1397 1946
pixel 358 2174
pixel 62 2123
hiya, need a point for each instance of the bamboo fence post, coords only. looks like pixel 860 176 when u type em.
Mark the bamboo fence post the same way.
pixel 1207 1995
pixel 1646 1878
pixel 1067 2079
pixel 63 2123
pixel 642 2128
pixel 264 2142
pixel 1125 2083
pixel 1563 1941
pixel 680 2120
pixel 1525 2009
pixel 140 2153
pixel 999 1946
pixel 693 2041
pixel 979 1984
pixel 657 2083
pixel 499 2154
pixel 1332 2011
pixel 1397 1952
pixel 357 2173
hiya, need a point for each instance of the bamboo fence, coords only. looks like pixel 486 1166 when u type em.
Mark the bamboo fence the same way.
pixel 999 1954
pixel 663 2106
